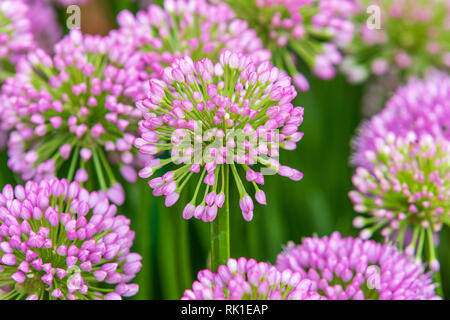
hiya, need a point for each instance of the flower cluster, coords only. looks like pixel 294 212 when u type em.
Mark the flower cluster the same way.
pixel 74 113
pixel 403 174
pixel 58 241
pixel 192 28
pixel 213 118
pixel 406 35
pixel 352 268
pixel 407 189
pixel 311 30
pixel 16 38
pixel 244 279
pixel 421 106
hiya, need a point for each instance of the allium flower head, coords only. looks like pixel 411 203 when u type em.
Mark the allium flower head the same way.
pixel 421 106
pixel 406 35
pixel 348 268
pixel 185 27
pixel 15 36
pixel 218 121
pixel 309 29
pixel 407 189
pixel 244 279
pixel 403 174
pixel 58 241
pixel 74 113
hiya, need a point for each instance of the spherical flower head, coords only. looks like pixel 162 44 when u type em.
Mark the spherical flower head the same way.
pixel 75 112
pixel 421 106
pixel 312 30
pixel 16 38
pixel 185 27
pixel 408 36
pixel 407 190
pixel 58 241
pixel 244 279
pixel 218 122
pixel 355 269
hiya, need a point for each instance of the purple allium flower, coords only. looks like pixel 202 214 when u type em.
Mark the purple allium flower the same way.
pixel 244 279
pixel 313 30
pixel 403 174
pixel 185 27
pixel 406 35
pixel 16 38
pixel 421 106
pixel 58 241
pixel 75 111
pixel 407 189
pixel 219 122
pixel 352 268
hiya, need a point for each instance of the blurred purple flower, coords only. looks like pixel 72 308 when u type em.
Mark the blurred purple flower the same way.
pixel 184 27
pixel 16 38
pixel 76 109
pixel 407 36
pixel 421 107
pixel 312 30
pixel 403 176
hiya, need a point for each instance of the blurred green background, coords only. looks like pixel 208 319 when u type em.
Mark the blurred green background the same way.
pixel 174 250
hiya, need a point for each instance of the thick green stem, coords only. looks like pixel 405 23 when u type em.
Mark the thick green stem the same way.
pixel 220 229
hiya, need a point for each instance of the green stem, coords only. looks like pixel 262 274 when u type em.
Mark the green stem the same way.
pixel 73 164
pixel 98 169
pixel 220 230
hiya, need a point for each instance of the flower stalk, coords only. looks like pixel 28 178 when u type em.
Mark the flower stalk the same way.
pixel 220 229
